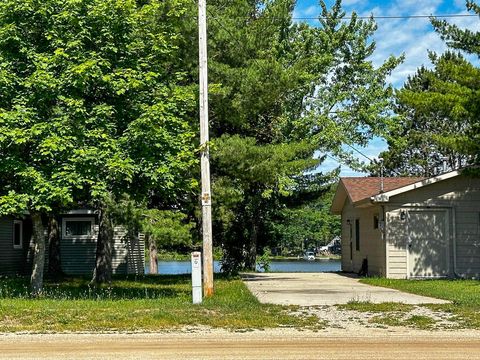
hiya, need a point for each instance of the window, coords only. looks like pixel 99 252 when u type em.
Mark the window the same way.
pixel 77 227
pixel 17 234
pixel 357 234
pixel 375 221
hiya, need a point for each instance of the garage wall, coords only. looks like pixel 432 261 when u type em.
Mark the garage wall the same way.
pixel 397 238
pixel 462 196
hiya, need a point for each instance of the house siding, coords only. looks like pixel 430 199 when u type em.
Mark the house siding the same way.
pixel 347 237
pixel 78 254
pixel 460 197
pixel 12 261
pixel 136 255
pixel 397 238
pixel 372 245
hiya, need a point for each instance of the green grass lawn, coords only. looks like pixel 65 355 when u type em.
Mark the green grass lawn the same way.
pixel 464 295
pixel 149 303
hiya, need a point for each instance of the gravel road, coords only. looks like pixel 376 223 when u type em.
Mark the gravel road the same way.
pixel 269 344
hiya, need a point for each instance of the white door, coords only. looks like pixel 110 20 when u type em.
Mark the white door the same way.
pixel 428 254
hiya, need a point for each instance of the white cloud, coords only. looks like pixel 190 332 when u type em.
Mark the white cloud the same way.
pixel 311 11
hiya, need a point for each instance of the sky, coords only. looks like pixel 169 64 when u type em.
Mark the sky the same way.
pixel 412 37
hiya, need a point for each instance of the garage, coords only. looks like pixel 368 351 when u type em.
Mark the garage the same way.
pixel 406 227
pixel 428 254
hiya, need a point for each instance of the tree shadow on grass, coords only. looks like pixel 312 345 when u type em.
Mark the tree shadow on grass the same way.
pixel 121 288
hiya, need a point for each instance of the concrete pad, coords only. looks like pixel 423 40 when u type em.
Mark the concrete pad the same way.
pixel 315 289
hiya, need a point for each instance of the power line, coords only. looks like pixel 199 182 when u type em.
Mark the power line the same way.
pixel 344 18
pixel 374 17
pixel 390 17
pixel 358 151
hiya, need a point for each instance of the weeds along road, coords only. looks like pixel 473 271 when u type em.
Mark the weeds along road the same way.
pixel 285 344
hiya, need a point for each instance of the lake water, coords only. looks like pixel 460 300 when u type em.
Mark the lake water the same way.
pixel 319 265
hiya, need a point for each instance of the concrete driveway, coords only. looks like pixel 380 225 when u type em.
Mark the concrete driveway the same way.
pixel 313 289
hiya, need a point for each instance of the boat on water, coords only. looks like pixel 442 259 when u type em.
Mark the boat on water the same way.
pixel 309 255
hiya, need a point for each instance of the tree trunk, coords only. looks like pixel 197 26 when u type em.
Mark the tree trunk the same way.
pixel 54 259
pixel 152 246
pixel 103 263
pixel 39 255
pixel 251 258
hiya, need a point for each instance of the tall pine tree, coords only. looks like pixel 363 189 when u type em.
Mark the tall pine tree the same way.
pixel 439 109
pixel 280 91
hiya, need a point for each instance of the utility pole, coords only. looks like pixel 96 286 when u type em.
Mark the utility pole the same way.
pixel 205 154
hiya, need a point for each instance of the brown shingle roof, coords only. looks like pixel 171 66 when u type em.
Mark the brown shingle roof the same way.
pixel 360 188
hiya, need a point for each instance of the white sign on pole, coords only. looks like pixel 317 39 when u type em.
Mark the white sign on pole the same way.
pixel 197 277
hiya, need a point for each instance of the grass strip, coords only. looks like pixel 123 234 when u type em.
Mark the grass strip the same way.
pixel 464 295
pixel 148 303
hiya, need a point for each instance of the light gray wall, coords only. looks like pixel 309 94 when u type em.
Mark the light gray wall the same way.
pixel 397 238
pixel 461 197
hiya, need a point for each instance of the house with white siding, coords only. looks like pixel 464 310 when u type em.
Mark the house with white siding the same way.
pixel 78 243
pixel 409 227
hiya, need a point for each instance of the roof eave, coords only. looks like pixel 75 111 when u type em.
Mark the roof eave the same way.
pixel 363 203
pixel 385 197
pixel 338 199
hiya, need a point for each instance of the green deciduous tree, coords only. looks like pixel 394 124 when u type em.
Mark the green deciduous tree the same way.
pixel 93 104
pixel 161 228
pixel 164 228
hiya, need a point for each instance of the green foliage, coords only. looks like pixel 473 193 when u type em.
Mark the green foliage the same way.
pixel 366 306
pixel 91 102
pixel 457 38
pixel 167 228
pixel 305 227
pixel 279 92
pixel 97 99
pixel 250 181
pixel 264 261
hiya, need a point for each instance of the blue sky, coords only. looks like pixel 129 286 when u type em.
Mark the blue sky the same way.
pixel 412 37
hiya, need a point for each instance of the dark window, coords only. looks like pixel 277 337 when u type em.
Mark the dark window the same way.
pixel 357 234
pixel 375 221
pixel 78 228
pixel 17 234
